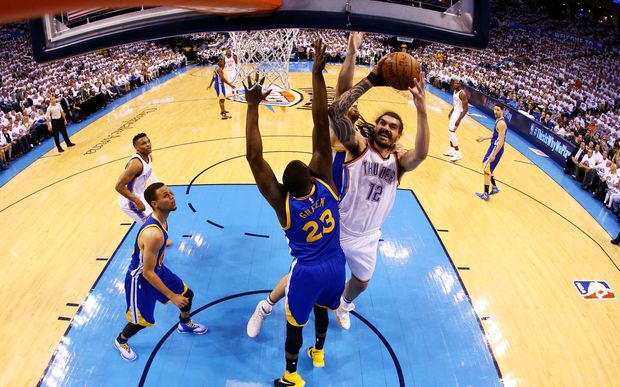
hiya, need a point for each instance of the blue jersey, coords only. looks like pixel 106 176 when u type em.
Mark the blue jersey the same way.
pixel 137 258
pixel 495 138
pixel 218 83
pixel 313 225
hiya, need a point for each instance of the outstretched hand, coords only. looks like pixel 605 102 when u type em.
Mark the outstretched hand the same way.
pixel 419 94
pixel 319 56
pixel 376 73
pixel 254 90
pixel 355 39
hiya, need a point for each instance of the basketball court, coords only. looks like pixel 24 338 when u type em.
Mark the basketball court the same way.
pixel 466 292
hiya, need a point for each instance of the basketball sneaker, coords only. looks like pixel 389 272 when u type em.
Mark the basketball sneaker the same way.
pixel 288 380
pixel 190 327
pixel 456 156
pixel 342 315
pixel 317 356
pixel 484 196
pixel 494 191
pixel 125 350
pixel 256 321
pixel 449 152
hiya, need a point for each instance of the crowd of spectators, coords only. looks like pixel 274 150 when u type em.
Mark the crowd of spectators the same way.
pixel 82 84
pixel 372 48
pixel 571 88
pixel 606 32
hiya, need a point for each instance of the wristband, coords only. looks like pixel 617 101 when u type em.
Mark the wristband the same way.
pixel 375 80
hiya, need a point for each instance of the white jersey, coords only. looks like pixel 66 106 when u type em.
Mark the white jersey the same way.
pixel 457 105
pixel 230 67
pixel 137 185
pixel 369 190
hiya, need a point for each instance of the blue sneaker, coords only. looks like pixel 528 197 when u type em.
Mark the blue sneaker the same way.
pixel 494 191
pixel 484 196
pixel 190 327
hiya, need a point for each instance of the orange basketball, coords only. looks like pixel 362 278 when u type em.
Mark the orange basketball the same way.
pixel 400 69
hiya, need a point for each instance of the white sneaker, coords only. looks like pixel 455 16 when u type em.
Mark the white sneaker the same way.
pixel 191 327
pixel 449 152
pixel 256 321
pixel 342 315
pixel 456 156
pixel 126 352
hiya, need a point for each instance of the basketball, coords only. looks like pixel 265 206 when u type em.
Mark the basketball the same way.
pixel 400 69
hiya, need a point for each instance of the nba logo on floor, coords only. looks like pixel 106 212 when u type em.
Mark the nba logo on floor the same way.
pixel 594 290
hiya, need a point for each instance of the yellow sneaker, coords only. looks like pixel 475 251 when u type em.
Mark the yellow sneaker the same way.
pixel 317 356
pixel 289 380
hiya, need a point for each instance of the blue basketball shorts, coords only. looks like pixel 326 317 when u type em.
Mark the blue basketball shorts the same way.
pixel 319 284
pixel 489 167
pixel 141 296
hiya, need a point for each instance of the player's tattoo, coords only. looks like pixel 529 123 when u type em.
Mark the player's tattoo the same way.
pixel 341 124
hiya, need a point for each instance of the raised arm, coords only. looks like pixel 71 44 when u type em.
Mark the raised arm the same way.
pixel 266 181
pixel 340 123
pixel 321 162
pixel 345 77
pixel 414 157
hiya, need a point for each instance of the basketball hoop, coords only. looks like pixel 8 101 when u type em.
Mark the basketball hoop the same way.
pixel 266 52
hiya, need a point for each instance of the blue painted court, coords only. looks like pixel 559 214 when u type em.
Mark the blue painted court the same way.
pixel 415 326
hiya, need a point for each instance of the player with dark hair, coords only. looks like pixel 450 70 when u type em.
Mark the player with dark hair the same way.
pixel 494 153
pixel 219 78
pixel 372 174
pixel 457 113
pixel 307 208
pixel 372 171
pixel 148 280
pixel 131 183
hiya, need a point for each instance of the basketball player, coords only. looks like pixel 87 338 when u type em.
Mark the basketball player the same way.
pixel 149 280
pixel 131 183
pixel 264 307
pixel 307 209
pixel 230 70
pixel 372 175
pixel 494 153
pixel 220 80
pixel 345 82
pixel 459 110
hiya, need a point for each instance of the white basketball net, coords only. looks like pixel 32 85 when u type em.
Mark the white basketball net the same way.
pixel 266 52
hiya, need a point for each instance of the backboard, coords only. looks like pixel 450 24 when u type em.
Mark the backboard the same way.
pixel 456 22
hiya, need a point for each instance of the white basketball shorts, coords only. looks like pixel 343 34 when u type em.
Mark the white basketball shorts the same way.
pixel 360 250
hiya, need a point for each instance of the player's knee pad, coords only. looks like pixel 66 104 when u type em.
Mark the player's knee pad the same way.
pixel 189 295
pixel 294 339
pixel 453 139
pixel 321 320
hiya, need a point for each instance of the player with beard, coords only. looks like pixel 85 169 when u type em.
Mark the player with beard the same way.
pixel 371 177
pixel 372 171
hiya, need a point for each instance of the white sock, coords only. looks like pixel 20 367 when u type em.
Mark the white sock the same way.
pixel 345 305
pixel 267 306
